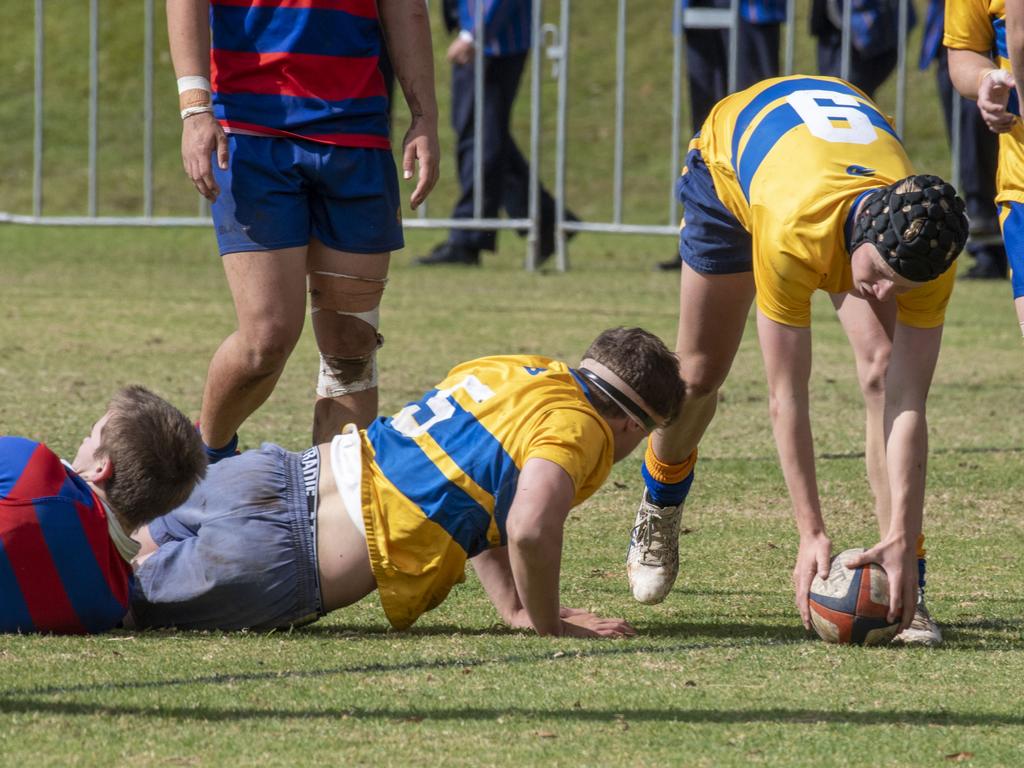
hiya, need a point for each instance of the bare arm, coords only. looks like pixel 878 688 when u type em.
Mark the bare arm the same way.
pixel 787 361
pixel 495 573
pixel 544 495
pixel 914 354
pixel 407 34
pixel 975 76
pixel 188 34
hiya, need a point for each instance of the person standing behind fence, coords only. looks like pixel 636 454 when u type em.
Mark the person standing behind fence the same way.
pixel 707 60
pixel 978 155
pixel 874 43
pixel 506 173
pixel 303 185
pixel 975 30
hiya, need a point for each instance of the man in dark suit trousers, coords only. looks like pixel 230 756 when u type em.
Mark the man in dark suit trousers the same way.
pixel 507 40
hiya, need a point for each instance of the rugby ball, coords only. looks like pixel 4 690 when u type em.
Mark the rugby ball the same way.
pixel 851 604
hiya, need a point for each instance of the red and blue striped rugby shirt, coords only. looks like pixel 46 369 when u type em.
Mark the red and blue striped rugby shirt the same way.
pixel 299 68
pixel 59 569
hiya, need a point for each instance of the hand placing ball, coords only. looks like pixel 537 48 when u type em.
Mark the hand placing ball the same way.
pixel 850 606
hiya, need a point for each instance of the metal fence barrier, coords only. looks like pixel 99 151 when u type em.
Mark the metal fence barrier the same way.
pixel 553 40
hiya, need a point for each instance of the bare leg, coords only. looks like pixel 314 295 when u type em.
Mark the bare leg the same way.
pixel 712 315
pixel 339 294
pixel 268 288
pixel 870 325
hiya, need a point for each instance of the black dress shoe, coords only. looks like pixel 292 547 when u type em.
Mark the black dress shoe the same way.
pixel 983 271
pixel 449 253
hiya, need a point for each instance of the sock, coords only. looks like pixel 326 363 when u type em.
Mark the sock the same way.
pixel 667 484
pixel 921 560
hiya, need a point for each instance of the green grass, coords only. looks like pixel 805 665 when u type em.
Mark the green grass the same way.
pixel 721 674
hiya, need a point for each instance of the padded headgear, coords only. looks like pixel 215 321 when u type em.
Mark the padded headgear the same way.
pixel 917 224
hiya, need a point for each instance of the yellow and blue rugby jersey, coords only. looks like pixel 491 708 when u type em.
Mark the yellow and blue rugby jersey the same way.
pixel 440 475
pixel 789 157
pixel 980 26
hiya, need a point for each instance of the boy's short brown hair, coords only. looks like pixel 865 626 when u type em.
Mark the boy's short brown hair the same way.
pixel 156 453
pixel 643 361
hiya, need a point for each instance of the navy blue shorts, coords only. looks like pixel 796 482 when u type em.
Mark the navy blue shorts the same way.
pixel 240 553
pixel 711 240
pixel 278 193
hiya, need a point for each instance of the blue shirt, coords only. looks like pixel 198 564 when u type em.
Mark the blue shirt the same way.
pixel 507 24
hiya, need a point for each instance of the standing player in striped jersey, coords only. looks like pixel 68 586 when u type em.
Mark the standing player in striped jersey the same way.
pixel 65 546
pixel 794 185
pixel 485 466
pixel 293 151
pixel 982 67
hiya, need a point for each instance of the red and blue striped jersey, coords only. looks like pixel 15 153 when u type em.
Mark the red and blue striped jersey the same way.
pixel 299 68
pixel 59 569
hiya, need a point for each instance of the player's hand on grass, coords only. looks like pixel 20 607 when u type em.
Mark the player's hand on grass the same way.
pixel 899 559
pixel 993 96
pixel 585 624
pixel 813 558
pixel 201 137
pixel 421 147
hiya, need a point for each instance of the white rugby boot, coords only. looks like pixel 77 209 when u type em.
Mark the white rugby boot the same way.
pixel 922 630
pixel 652 563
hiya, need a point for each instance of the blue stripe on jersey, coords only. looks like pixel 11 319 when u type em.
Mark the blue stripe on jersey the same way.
pixel 16 452
pixel 999 27
pixel 413 473
pixel 14 615
pixel 367 115
pixel 778 91
pixel 773 127
pixel 265 29
pixel 86 587
pixel 75 488
pixel 475 451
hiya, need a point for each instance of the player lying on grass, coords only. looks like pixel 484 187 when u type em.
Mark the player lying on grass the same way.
pixel 793 185
pixel 486 467
pixel 64 544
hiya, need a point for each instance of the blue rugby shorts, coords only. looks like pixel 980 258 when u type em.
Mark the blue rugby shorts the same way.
pixel 279 192
pixel 711 240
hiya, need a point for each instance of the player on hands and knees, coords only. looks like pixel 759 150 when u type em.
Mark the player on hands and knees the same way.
pixel 485 466
pixel 796 184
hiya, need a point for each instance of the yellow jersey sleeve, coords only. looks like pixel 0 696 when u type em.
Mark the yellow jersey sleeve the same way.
pixel 577 442
pixel 925 307
pixel 968 24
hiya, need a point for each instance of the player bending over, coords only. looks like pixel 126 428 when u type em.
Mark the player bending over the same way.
pixel 64 543
pixel 485 466
pixel 793 185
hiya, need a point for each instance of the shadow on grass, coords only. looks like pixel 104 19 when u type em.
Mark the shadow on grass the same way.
pixel 616 716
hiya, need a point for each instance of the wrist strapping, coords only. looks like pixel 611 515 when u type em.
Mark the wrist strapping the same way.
pixel 193 91
pixel 196 110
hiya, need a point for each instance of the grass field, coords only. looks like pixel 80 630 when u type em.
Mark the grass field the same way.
pixel 721 674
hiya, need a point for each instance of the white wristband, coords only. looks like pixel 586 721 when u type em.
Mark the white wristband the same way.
pixel 466 36
pixel 193 83
pixel 189 111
